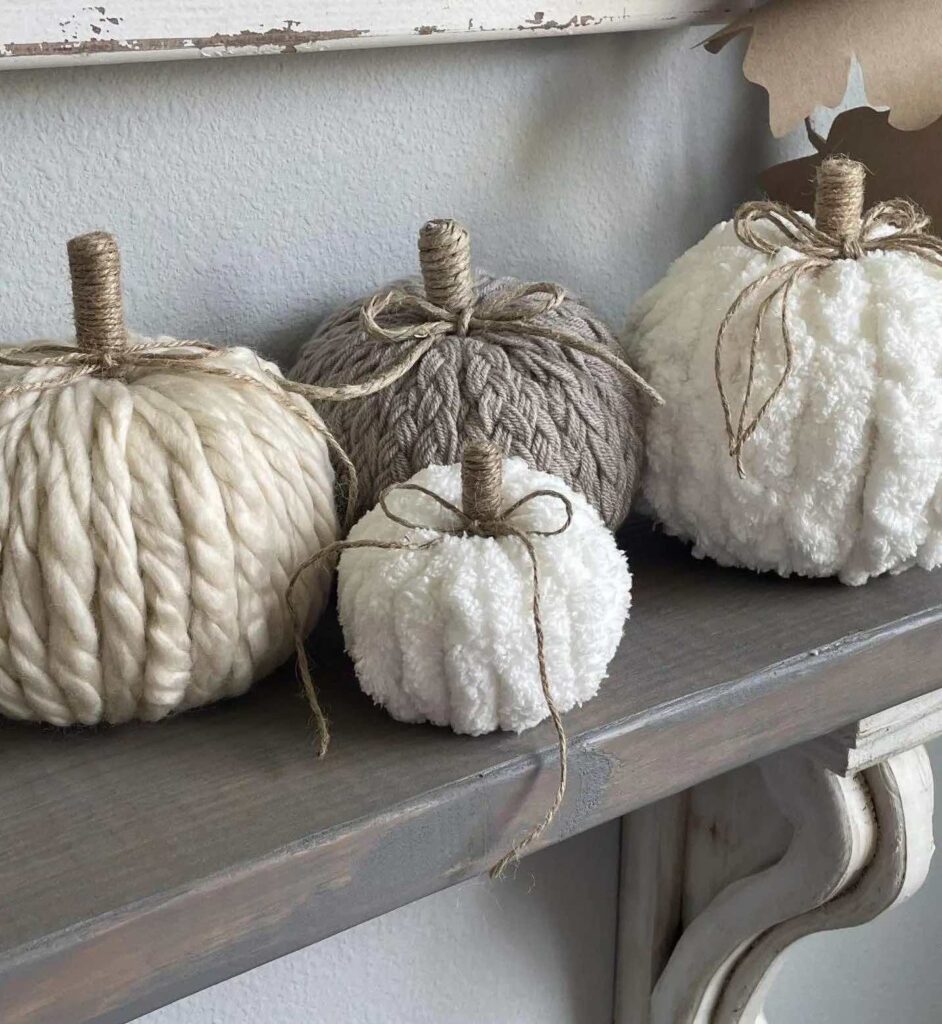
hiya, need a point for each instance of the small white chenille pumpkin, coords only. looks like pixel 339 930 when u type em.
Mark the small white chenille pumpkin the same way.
pixel 155 497
pixel 824 339
pixel 445 634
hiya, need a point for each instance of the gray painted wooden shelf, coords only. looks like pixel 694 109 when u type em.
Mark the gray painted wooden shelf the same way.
pixel 144 862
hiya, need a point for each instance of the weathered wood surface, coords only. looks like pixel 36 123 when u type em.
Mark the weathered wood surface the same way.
pixel 141 863
pixel 44 33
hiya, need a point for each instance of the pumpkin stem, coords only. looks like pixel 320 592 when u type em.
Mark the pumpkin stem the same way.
pixel 95 269
pixel 482 481
pixel 445 257
pixel 839 201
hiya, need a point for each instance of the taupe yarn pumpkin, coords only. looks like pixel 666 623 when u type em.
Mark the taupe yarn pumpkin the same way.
pixel 410 375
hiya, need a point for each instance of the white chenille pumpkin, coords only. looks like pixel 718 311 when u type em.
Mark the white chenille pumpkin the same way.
pixel 446 634
pixel 837 427
pixel 155 497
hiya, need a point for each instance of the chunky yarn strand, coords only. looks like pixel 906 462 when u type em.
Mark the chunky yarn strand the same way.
pixel 165 355
pixel 146 561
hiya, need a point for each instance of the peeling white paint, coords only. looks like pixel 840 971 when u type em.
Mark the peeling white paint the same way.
pixel 43 33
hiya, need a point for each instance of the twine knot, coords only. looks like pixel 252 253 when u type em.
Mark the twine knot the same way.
pixel 851 249
pixel 110 365
pixel 481 515
pixel 464 322
pixel 840 230
pixel 514 311
pixel 450 307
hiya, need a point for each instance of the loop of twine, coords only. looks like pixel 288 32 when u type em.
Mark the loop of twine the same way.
pixel 896 225
pixel 515 311
pixel 500 525
pixel 170 355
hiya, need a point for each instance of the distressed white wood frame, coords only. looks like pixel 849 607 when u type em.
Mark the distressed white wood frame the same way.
pixel 45 33
pixel 718 881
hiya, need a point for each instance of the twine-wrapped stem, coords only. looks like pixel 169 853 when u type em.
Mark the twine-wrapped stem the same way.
pixel 95 269
pixel 445 258
pixel 481 481
pixel 839 203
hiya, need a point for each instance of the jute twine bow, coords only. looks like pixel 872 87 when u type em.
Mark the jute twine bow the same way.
pixel 841 231
pixel 450 307
pixel 103 348
pixel 482 515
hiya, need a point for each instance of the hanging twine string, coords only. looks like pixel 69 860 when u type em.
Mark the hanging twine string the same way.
pixel 103 348
pixel 481 516
pixel 841 231
pixel 403 318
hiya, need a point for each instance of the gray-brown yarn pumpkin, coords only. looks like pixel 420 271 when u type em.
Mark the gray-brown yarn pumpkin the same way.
pixel 459 357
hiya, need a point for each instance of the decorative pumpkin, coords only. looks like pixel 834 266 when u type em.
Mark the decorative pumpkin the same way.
pixel 488 614
pixel 407 376
pixel 156 497
pixel 801 364
pixel 445 633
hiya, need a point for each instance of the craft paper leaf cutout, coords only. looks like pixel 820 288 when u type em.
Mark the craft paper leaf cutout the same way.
pixel 801 52
pixel 901 164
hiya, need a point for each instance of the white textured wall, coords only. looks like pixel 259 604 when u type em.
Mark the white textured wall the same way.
pixel 252 195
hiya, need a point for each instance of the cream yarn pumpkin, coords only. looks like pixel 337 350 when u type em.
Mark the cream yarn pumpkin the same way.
pixel 824 340
pixel 446 634
pixel 155 497
pixel 412 373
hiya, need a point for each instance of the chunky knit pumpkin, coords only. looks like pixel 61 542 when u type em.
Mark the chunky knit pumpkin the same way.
pixel 840 441
pixel 155 497
pixel 446 634
pixel 527 367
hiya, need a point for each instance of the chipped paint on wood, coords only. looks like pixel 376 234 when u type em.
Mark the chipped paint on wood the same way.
pixel 282 40
pixel 577 21
pixel 52 32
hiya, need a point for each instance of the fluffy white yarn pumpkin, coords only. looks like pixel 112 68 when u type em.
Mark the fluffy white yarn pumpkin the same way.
pixel 843 474
pixel 149 522
pixel 446 634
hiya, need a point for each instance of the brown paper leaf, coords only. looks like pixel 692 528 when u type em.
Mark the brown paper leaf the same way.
pixel 901 164
pixel 801 53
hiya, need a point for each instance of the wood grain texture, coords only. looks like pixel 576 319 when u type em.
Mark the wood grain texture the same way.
pixel 45 33
pixel 650 898
pixel 145 862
